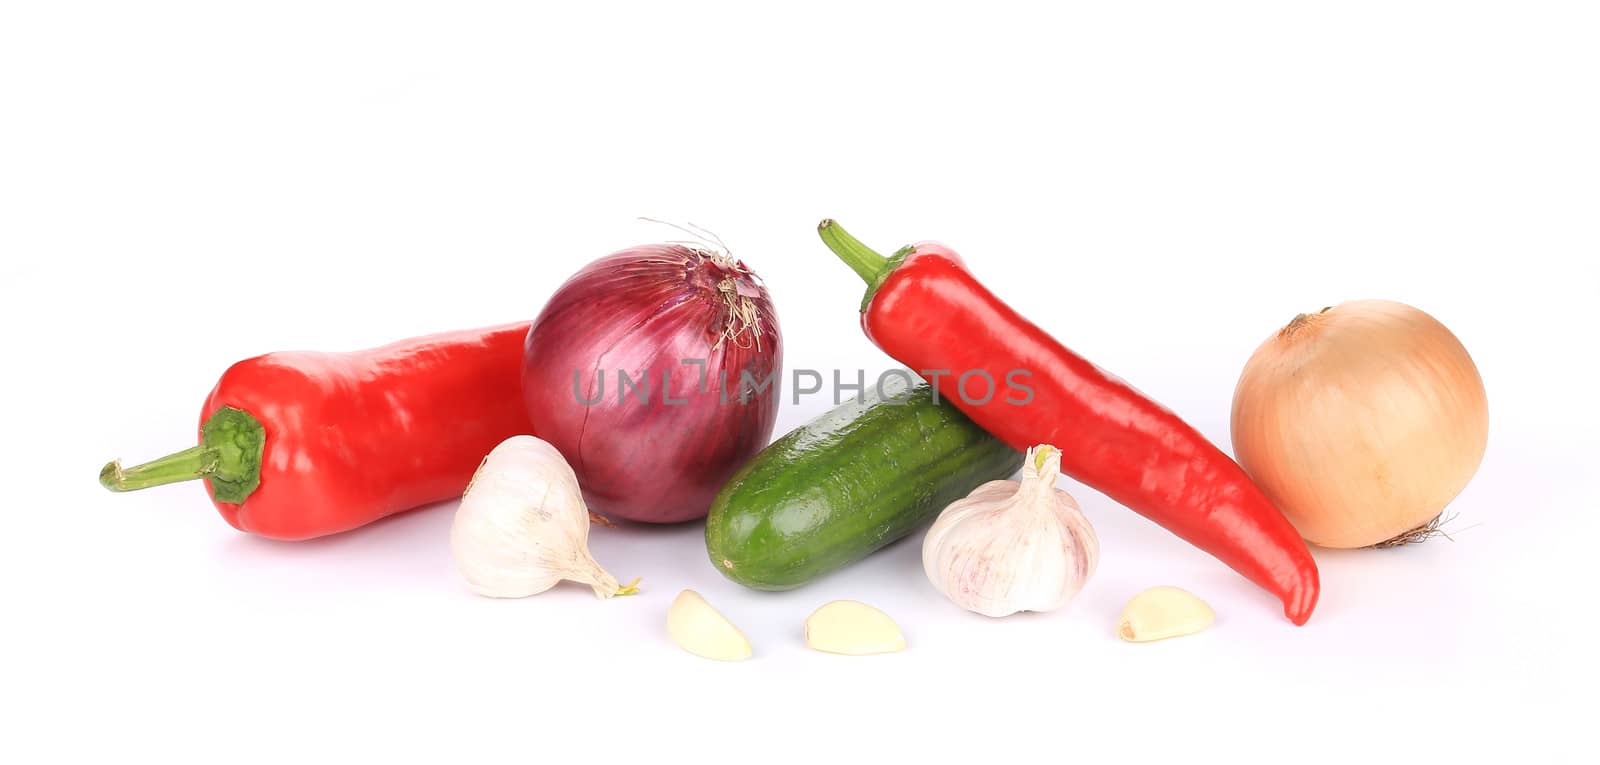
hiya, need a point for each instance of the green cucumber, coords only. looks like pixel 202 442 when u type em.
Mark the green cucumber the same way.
pixel 845 484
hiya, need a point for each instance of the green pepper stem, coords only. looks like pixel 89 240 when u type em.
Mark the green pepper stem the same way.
pixel 866 262
pixel 186 465
pixel 229 456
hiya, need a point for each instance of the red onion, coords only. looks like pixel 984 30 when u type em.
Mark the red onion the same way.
pixel 658 449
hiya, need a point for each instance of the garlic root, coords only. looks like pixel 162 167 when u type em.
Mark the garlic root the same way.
pixel 852 628
pixel 703 631
pixel 1163 612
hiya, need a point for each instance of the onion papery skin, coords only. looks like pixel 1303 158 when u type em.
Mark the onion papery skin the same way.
pixel 643 311
pixel 1361 422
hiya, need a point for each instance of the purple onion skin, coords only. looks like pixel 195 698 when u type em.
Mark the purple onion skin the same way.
pixel 643 311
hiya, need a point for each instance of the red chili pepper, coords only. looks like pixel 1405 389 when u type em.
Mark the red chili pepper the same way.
pixel 296 445
pixel 927 311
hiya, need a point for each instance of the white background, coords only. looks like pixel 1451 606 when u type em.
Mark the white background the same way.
pixel 1160 184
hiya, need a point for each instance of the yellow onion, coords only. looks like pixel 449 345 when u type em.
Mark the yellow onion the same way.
pixel 1361 422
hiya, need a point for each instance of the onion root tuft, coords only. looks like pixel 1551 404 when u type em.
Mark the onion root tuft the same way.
pixel 1423 533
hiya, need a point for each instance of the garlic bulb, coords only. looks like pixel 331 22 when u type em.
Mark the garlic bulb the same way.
pixel 522 525
pixel 1010 546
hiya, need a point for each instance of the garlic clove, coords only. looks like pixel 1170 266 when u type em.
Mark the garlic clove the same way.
pixel 1163 612
pixel 703 631
pixel 853 628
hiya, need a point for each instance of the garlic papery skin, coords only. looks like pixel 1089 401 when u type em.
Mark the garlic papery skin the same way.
pixel 1013 546
pixel 523 526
